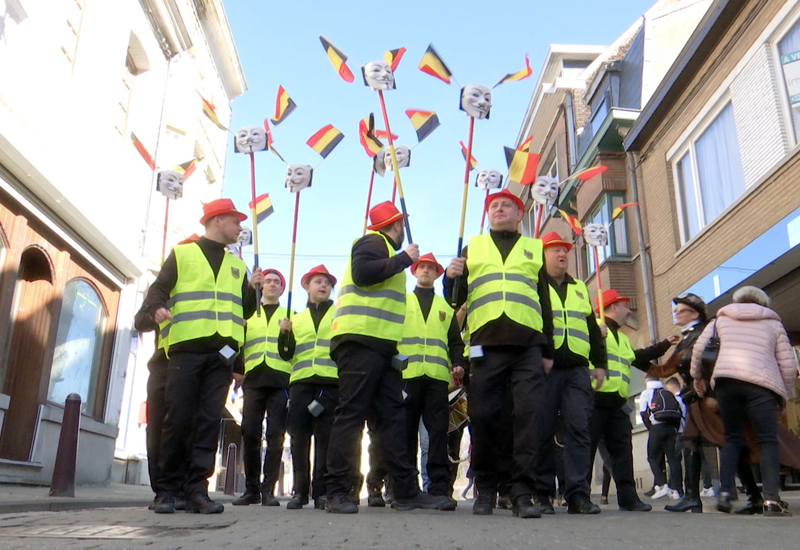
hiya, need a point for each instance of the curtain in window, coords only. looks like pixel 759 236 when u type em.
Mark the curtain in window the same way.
pixel 791 44
pixel 719 165
pixel 691 223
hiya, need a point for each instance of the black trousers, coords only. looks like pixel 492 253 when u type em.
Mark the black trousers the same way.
pixel 197 385
pixel 740 401
pixel 302 426
pixel 427 399
pixel 258 402
pixel 614 426
pixel 490 376
pixel 570 392
pixel 156 410
pixel 367 380
pixel 660 444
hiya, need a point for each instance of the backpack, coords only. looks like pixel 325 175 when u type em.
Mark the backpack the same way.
pixel 665 407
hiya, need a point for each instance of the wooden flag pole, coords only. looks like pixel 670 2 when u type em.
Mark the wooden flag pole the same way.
pixel 291 257
pixel 600 305
pixel 396 171
pixel 394 183
pixel 255 227
pixel 537 227
pixel 164 238
pixel 369 197
pixel 483 215
pixel 464 205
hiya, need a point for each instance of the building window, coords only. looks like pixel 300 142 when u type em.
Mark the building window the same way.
pixel 79 342
pixel 709 174
pixel 550 165
pixel 789 52
pixel 599 116
pixel 617 233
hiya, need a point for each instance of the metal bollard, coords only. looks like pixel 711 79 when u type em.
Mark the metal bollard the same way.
pixel 63 484
pixel 230 470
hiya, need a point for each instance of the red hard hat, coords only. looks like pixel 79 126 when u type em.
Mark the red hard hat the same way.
pixel 505 193
pixel 280 276
pixel 609 297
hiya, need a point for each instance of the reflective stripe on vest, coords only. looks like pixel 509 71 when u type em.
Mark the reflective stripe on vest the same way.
pixel 201 305
pixel 620 356
pixel 261 341
pixel 377 310
pixel 312 350
pixel 496 287
pixel 569 319
pixel 425 341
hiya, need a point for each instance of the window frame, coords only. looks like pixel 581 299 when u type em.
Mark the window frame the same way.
pixel 780 33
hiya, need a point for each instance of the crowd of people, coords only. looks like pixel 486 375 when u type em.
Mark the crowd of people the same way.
pixel 513 329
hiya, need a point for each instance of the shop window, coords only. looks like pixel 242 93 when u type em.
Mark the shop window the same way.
pixel 79 341
pixel 789 52
pixel 708 173
pixel 617 232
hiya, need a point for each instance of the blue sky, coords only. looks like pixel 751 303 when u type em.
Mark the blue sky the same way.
pixel 278 44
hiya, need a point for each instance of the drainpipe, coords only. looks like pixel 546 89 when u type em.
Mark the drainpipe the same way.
pixel 643 256
pixel 571 147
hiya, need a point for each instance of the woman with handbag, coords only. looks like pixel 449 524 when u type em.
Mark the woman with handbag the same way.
pixel 753 375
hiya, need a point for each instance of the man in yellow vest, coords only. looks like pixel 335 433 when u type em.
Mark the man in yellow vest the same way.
pixel 313 386
pixel 611 414
pixel 577 341
pixel 203 294
pixel 503 280
pixel 432 342
pixel 367 326
pixel 266 392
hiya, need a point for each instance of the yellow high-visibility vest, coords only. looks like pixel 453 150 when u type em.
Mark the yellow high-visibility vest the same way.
pixel 425 341
pixel 261 341
pixel 312 351
pixel 569 318
pixel 620 357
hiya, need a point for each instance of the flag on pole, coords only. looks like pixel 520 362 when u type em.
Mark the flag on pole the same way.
pixel 284 105
pixel 366 136
pixel 589 173
pixel 269 140
pixel 570 216
pixel 433 65
pixel 325 140
pixel 338 60
pixel 472 162
pixel 617 212
pixel 526 145
pixel 521 166
pixel 519 75
pixel 385 135
pixel 210 111
pixel 263 207
pixel 424 122
pixel 187 168
pixel 143 152
pixel 393 57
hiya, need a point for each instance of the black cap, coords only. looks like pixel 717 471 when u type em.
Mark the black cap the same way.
pixel 695 302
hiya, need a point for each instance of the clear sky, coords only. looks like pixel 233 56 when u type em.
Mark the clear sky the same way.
pixel 278 44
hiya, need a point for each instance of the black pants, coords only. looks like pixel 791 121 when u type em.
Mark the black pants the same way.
pixel 302 426
pixel 738 402
pixel 427 399
pixel 568 391
pixel 258 402
pixel 614 426
pixel 660 444
pixel 156 410
pixel 197 385
pixel 490 376
pixel 367 380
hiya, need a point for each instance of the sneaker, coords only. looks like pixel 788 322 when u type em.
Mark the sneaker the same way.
pixel 340 503
pixel 674 495
pixel 661 491
pixel 165 505
pixel 201 504
pixel 247 499
pixel 297 502
pixel 484 503
pixel 708 492
pixel 580 504
pixel 524 508
pixel 268 499
pixel 423 500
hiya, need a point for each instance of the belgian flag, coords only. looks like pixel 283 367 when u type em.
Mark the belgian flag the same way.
pixel 519 75
pixel 433 65
pixel 521 166
pixel 143 151
pixel 571 217
pixel 187 168
pixel 393 57
pixel 472 162
pixel 284 105
pixel 263 207
pixel 589 173
pixel 385 135
pixel 211 113
pixel 424 122
pixel 325 140
pixel 338 59
pixel 526 145
pixel 617 212
pixel 366 136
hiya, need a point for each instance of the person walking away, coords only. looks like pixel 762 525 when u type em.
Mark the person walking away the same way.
pixel 662 417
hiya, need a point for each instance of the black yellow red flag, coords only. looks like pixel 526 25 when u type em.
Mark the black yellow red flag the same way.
pixel 521 166
pixel 325 140
pixel 424 122
pixel 263 207
pixel 284 105
pixel 210 111
pixel 433 65
pixel 366 136
pixel 393 57
pixel 472 162
pixel 519 75
pixel 143 151
pixel 338 59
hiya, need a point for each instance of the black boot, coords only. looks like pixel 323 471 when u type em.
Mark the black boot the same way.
pixel 755 501
pixel 691 498
pixel 375 497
